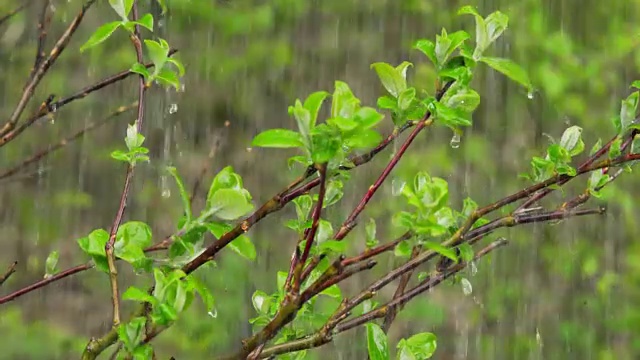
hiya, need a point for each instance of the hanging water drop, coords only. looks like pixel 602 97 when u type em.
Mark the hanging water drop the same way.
pixel 173 108
pixel 530 95
pixel 213 313
pixel 455 141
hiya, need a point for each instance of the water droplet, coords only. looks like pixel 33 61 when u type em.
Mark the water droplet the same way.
pixel 474 268
pixel 467 289
pixel 396 187
pixel 455 141
pixel 530 95
pixel 164 187
pixel 181 88
pixel 173 108
pixel 213 313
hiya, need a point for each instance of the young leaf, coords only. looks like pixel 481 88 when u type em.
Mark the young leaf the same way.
pixel 51 263
pixel 243 246
pixel 510 69
pixel 628 111
pixel 571 140
pixel 444 251
pixel 423 345
pixel 122 7
pixel 278 138
pixel 100 35
pixel 136 294
pixel 377 343
pixel 158 53
pixel 186 203
pixel 229 204
pixel 428 48
pixel 314 103
pixel 391 78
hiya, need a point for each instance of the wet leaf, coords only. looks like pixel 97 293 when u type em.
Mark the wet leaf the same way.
pixel 377 344
pixel 101 34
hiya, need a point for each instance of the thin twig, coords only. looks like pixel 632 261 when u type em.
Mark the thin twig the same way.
pixel 109 247
pixel 42 69
pixel 10 270
pixel 64 142
pixel 43 22
pixel 13 12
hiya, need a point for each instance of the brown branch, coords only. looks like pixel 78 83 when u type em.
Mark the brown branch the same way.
pixel 52 106
pixel 42 69
pixel 10 270
pixel 109 247
pixel 430 282
pixel 404 281
pixel 42 37
pixel 13 12
pixel 45 282
pixel 64 142
pixel 325 335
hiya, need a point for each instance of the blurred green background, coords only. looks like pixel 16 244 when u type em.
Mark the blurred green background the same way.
pixel 562 291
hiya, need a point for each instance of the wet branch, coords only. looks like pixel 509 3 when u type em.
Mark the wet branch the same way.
pixel 43 23
pixel 109 247
pixel 44 66
pixel 10 270
pixel 64 142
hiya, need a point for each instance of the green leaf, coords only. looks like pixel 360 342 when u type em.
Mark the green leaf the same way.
pixel 377 343
pixel 243 246
pixel 423 345
pixel 132 333
pixel 229 204
pixel 368 117
pixel 332 291
pixel 466 252
pixel 93 245
pixel 167 77
pixel 510 69
pixel 451 117
pixel 370 230
pixel 261 302
pixel 203 291
pixel 122 7
pixel 332 246
pixel 146 21
pixel 344 103
pixel 465 100
pixel 140 69
pixel 615 149
pixel 178 64
pixel 101 34
pixel 403 249
pixel 131 240
pixel 325 143
pixel 456 39
pixel 572 140
pixel 364 139
pixel 51 263
pixel 482 37
pixel 186 203
pixel 136 294
pixel 402 69
pixel 444 251
pixel 226 179
pixel 428 48
pixel 278 138
pixel 628 111
pixel 468 207
pixel 313 103
pixel 157 52
pixel 406 98
pixel 391 78
pixel 496 23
